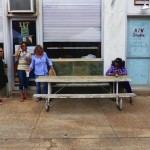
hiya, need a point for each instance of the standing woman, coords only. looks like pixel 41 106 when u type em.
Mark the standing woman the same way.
pixel 3 77
pixel 40 62
pixel 24 58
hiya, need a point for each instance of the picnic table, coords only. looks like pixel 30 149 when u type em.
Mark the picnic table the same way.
pixel 87 81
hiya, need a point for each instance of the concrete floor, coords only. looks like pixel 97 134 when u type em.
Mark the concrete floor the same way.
pixel 75 124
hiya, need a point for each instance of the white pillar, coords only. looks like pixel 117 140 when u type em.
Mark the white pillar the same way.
pixel 114 30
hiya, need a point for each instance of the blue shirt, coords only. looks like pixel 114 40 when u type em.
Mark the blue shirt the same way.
pixel 40 64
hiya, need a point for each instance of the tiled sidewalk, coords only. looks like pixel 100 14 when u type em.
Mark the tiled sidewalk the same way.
pixel 75 124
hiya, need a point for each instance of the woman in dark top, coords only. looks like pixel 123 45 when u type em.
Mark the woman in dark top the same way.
pixel 3 77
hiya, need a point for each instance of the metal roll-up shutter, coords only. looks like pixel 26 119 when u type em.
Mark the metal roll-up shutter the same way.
pixel 71 20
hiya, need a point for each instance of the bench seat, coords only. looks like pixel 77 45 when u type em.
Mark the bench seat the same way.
pixel 121 95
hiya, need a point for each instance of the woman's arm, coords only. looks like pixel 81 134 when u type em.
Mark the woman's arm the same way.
pixel 123 71
pixel 28 59
pixel 32 64
pixel 110 71
pixel 16 54
pixel 49 62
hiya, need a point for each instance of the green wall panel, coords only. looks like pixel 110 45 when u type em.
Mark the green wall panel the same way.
pixel 78 67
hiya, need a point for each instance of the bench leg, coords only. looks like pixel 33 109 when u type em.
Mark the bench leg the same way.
pixel 118 99
pixel 131 101
pixel 119 105
pixel 47 104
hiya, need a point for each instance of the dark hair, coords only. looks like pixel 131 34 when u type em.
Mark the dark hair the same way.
pixel 119 61
pixel 23 42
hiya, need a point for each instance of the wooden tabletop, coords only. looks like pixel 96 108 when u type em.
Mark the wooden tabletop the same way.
pixel 82 79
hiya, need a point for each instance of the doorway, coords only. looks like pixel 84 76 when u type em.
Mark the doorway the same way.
pixel 138 51
pixel 23 30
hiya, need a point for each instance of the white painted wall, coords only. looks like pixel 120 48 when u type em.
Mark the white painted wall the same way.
pixel 1 22
pixel 135 9
pixel 114 30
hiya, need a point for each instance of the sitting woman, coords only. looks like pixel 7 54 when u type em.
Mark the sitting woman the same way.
pixel 117 68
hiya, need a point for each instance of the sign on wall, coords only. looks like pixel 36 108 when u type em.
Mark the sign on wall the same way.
pixel 141 2
pixel 138 38
pixel 24 30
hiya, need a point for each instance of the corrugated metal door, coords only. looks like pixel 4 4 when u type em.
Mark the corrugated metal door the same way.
pixel 71 20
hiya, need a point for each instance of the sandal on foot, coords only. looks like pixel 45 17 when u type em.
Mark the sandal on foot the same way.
pixel 131 101
pixel 21 99
pixel 1 101
pixel 38 99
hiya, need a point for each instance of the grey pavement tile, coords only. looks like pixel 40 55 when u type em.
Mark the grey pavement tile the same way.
pixel 17 120
pixel 80 119
pixel 76 144
pixel 75 106
pixel 26 144
pixel 101 144
pixel 75 124
pixel 133 120
pixel 24 148
pixel 14 106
